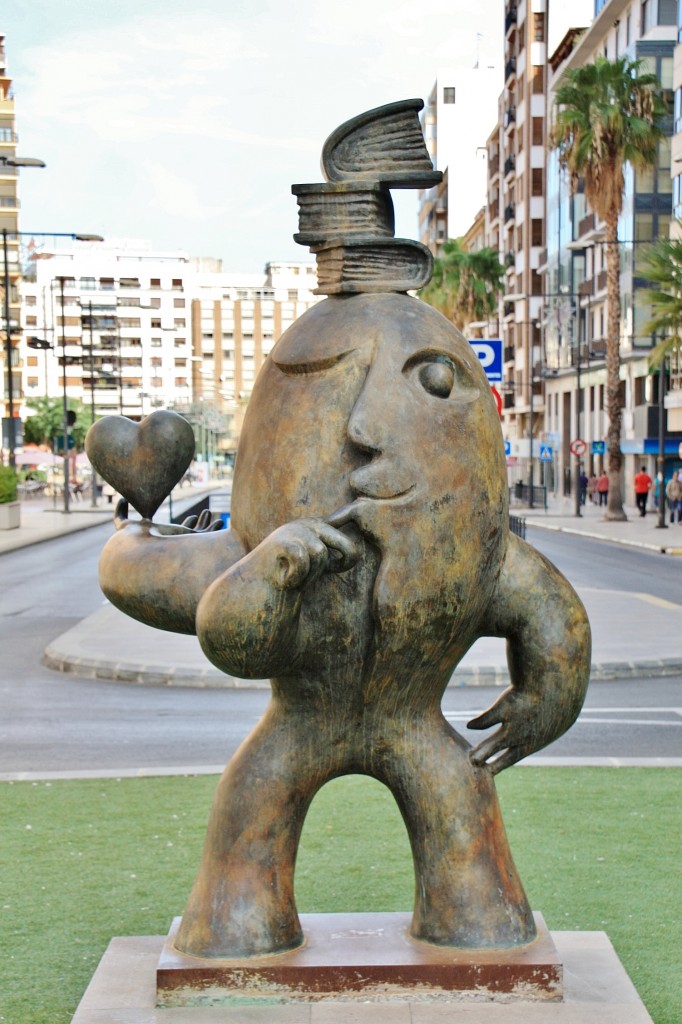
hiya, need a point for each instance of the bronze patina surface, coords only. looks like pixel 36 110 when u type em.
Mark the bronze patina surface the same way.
pixel 369 549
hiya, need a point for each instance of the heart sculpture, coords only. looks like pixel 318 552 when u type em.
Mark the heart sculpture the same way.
pixel 142 461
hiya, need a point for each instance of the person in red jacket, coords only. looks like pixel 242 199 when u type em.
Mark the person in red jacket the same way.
pixel 643 484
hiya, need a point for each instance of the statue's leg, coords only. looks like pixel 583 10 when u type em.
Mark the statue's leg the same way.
pixel 242 902
pixel 468 893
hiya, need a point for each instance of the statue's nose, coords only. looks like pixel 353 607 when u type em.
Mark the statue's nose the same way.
pixel 365 423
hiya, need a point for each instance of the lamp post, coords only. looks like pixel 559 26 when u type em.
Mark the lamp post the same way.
pixel 93 496
pixel 661 524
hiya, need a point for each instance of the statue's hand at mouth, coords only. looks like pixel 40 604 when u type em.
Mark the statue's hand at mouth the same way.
pixel 247 621
pixel 298 553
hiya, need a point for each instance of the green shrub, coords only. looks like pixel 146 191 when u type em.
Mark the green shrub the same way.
pixel 8 484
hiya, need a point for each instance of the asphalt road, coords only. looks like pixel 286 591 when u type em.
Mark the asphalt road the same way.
pixel 53 722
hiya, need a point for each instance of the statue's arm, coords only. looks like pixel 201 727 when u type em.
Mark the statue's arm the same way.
pixel 158 574
pixel 248 619
pixel 548 652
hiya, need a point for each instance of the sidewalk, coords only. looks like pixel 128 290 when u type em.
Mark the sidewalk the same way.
pixel 636 532
pixel 109 645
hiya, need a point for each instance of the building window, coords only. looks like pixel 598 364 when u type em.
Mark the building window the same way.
pixel 539 28
pixel 156 343
pixel 106 284
pixel 178 303
pixel 177 284
pixel 449 94
pixel 180 323
pixel 155 282
pixel 156 324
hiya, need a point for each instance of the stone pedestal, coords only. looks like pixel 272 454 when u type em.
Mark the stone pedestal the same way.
pixel 362 956
pixel 596 991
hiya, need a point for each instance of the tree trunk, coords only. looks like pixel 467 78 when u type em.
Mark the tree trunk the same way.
pixel 614 508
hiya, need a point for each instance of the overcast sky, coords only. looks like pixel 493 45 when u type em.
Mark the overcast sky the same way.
pixel 187 123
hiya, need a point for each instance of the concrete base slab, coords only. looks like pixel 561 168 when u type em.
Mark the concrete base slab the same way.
pixel 361 956
pixel 596 991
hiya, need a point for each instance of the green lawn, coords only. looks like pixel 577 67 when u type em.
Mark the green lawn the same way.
pixel 83 861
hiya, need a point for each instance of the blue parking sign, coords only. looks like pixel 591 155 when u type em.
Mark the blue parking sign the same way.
pixel 490 354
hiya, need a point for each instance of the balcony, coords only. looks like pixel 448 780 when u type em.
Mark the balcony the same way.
pixel 509 353
pixel 510 18
pixel 586 224
pixel 601 281
pixel 586 287
pixel 493 166
pixel 509 117
pixel 510 68
pixel 509 165
pixel 509 213
pixel 508 309
pixel 494 210
pixel 509 260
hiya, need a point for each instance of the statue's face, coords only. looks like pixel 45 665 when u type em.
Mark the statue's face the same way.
pixel 379 401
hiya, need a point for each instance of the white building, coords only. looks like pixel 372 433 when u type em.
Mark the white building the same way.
pixel 142 330
pixel 461 102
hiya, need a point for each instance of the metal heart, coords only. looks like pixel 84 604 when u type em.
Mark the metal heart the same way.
pixel 142 461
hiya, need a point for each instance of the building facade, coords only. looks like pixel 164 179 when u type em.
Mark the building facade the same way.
pixel 457 105
pixel 127 330
pixel 9 216
pixel 574 320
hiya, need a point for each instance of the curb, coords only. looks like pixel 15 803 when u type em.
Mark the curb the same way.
pixel 141 674
pixel 659 549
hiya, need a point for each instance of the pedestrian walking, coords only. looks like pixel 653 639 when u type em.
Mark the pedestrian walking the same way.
pixel 673 493
pixel 592 489
pixel 583 487
pixel 643 484
pixel 603 489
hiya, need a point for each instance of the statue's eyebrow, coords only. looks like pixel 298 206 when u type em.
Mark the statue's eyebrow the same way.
pixel 312 365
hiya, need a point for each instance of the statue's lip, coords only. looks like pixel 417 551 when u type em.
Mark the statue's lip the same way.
pixel 369 495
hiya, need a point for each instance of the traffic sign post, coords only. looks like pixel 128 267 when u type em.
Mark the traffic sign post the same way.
pixel 578 447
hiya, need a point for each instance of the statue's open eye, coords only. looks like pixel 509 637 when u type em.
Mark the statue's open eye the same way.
pixel 437 377
pixel 441 375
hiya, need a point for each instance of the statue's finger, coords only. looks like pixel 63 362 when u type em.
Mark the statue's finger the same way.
pixel 344 515
pixel 488 747
pixel 217 524
pixel 190 522
pixel 204 519
pixel 487 719
pixel 506 759
pixel 343 548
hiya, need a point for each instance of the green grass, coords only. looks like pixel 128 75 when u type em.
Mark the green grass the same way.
pixel 83 861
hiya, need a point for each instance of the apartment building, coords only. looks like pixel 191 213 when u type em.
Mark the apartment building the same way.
pixel 128 329
pixel 574 319
pixel 236 320
pixel 9 214
pixel 673 399
pixel 458 104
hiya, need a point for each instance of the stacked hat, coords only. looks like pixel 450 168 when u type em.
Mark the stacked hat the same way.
pixel 348 220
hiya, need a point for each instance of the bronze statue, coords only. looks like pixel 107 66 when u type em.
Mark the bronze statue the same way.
pixel 369 548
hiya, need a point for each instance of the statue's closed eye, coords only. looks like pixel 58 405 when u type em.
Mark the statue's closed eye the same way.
pixel 311 365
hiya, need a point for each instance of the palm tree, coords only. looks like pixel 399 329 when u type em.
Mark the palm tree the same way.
pixel 607 114
pixel 465 285
pixel 663 267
